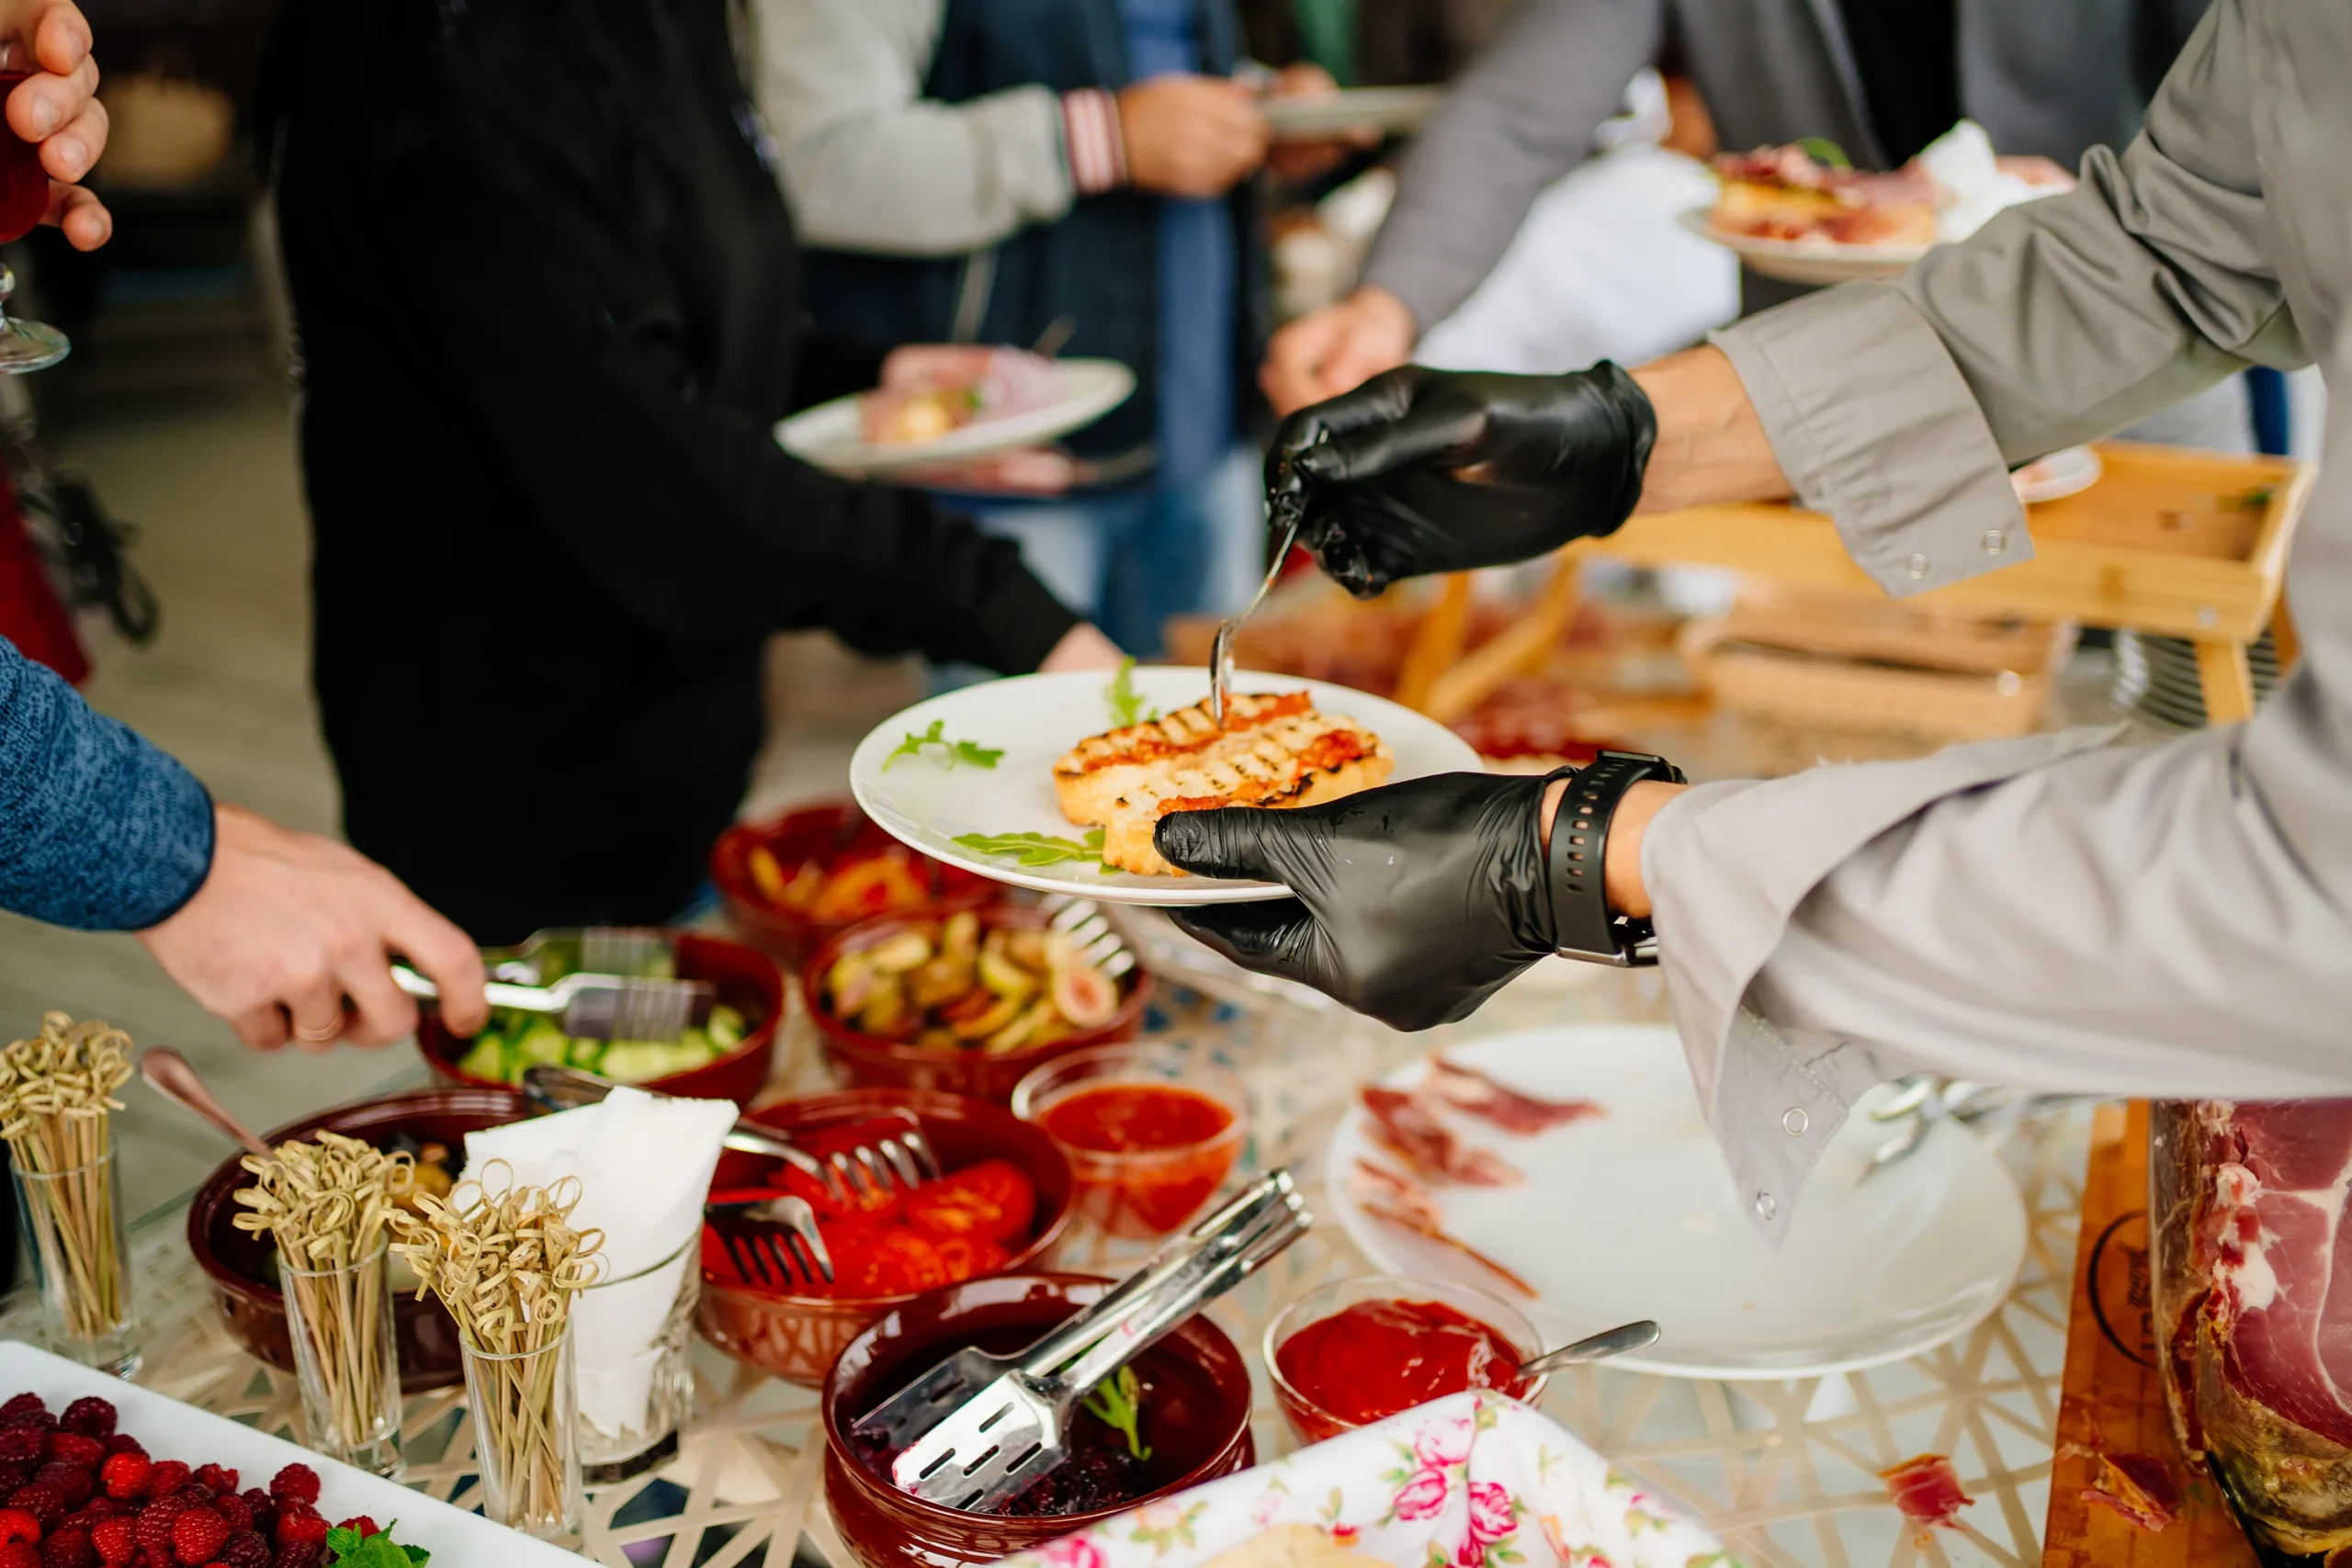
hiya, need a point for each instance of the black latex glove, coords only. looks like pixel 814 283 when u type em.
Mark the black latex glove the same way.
pixel 1378 473
pixel 1414 903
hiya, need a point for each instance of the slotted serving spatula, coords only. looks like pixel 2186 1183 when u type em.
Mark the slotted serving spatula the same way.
pixel 981 1428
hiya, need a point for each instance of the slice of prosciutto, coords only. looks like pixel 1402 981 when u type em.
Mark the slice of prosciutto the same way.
pixel 1927 1489
pixel 1474 1094
pixel 1405 1124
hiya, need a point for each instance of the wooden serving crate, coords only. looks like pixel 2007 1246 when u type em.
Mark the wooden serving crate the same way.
pixel 2114 1400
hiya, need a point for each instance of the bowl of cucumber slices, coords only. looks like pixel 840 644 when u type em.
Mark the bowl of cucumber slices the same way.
pixel 726 1056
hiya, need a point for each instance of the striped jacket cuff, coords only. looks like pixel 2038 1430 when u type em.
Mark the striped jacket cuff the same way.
pixel 1098 159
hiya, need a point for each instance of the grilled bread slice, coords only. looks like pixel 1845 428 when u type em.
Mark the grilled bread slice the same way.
pixel 1305 759
pixel 1095 773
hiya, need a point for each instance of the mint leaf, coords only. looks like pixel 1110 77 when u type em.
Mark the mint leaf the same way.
pixel 1119 1403
pixel 1821 150
pixel 1033 850
pixel 911 745
pixel 348 1549
pixel 1127 702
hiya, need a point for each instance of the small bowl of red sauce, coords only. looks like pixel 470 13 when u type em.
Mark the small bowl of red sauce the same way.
pixel 1151 1132
pixel 1361 1350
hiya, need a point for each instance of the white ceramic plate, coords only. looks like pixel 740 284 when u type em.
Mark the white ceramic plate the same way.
pixel 926 804
pixel 172 1430
pixel 1805 261
pixel 1394 110
pixel 829 436
pixel 2069 471
pixel 1633 1215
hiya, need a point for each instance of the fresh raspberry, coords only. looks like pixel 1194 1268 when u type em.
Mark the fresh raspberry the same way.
pixel 294 1484
pixel 34 1420
pixel 167 1478
pixel 233 1513
pixel 222 1482
pixel 125 1475
pixel 73 1448
pixel 154 1528
pixel 295 1555
pixel 90 1417
pixel 73 1483
pixel 365 1525
pixel 13 1475
pixel 68 1548
pixel 24 1445
pixel 42 1501
pixel 298 1524
pixel 21 1406
pixel 115 1541
pixel 19 1554
pixel 16 1524
pixel 197 1534
pixel 124 1443
pixel 246 1549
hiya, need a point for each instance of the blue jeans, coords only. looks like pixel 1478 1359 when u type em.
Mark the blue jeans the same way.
pixel 1129 561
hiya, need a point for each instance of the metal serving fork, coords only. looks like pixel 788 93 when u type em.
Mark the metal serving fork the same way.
pixel 1100 942
pixel 782 1248
pixel 977 1449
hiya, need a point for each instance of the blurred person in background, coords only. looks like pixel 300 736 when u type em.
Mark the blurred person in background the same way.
pixel 282 934
pixel 1880 79
pixel 1073 172
pixel 548 306
pixel 1371 43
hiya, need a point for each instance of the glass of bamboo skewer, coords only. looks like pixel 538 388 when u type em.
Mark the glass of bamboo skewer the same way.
pixel 56 1104
pixel 345 1358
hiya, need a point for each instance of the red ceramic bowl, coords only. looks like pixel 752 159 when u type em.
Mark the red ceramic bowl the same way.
pixel 834 833
pixel 1196 1420
pixel 747 981
pixel 236 1264
pixel 868 1060
pixel 796 1338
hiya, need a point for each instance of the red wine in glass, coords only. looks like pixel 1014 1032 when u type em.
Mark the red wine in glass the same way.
pixel 24 198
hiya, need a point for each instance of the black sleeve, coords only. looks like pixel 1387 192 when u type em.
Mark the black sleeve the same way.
pixel 833 367
pixel 692 515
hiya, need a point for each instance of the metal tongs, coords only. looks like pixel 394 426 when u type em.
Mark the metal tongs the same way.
pixel 593 1007
pixel 978 1429
pixel 1287 507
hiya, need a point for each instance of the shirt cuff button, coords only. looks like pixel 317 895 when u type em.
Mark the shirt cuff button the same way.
pixel 1765 1207
pixel 1918 568
pixel 1994 542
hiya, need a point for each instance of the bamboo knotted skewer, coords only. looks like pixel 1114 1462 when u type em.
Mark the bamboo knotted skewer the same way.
pixel 507 1265
pixel 56 1098
pixel 327 1202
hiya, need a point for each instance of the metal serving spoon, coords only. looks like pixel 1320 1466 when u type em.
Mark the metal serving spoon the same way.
pixel 1596 1347
pixel 171 1075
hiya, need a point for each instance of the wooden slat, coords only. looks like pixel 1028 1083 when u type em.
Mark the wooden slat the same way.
pixel 2114 1399
pixel 2226 680
pixel 1437 642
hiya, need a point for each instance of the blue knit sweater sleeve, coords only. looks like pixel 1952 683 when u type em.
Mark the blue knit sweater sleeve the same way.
pixel 98 829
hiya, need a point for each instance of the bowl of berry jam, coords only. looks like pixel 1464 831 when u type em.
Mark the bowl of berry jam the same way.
pixel 1359 1352
pixel 1183 1419
pixel 1151 1131
pixel 1001 1204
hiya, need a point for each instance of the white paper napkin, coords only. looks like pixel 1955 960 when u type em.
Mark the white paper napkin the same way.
pixel 1961 161
pixel 644 1165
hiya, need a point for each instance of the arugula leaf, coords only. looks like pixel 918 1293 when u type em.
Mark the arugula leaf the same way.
pixel 1127 702
pixel 349 1548
pixel 911 745
pixel 1122 1409
pixel 1033 850
pixel 1821 150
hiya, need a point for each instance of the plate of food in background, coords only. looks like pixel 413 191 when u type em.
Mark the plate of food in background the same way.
pixel 1431 1174
pixel 952 402
pixel 1057 782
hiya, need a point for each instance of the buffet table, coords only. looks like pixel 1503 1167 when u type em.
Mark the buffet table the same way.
pixel 1785 1472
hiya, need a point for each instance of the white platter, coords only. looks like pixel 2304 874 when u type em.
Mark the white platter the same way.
pixel 172 1430
pixel 829 434
pixel 1805 261
pixel 926 804
pixel 2068 471
pixel 1393 110
pixel 1634 1214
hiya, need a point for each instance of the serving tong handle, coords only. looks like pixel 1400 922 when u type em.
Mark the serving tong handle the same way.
pixel 592 1006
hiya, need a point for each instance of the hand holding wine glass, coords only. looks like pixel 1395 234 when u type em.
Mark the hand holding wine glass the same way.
pixel 56 129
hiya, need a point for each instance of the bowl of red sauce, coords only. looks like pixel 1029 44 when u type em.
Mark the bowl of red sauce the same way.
pixel 1003 1206
pixel 1192 1420
pixel 1361 1350
pixel 1150 1132
pixel 791 881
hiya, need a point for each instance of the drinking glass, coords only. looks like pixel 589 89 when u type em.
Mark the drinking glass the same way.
pixel 527 1436
pixel 72 1226
pixel 344 1359
pixel 637 1381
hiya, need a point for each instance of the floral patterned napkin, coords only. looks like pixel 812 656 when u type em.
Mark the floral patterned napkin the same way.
pixel 1463 1481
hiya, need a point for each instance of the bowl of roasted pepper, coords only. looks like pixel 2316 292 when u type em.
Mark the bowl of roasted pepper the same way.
pixel 1000 1205
pixel 791 882
pixel 724 1057
pixel 965 1002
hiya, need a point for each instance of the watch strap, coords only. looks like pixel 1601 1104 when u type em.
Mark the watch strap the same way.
pixel 1581 922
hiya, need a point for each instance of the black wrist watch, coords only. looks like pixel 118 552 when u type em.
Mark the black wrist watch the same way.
pixel 1582 925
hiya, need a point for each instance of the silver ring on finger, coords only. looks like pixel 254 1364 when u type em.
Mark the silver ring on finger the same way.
pixel 320 1036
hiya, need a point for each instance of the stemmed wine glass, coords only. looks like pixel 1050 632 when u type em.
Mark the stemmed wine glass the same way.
pixel 24 197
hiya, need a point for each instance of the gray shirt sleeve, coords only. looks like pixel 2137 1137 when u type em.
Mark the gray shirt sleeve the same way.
pixel 868 163
pixel 2059 911
pixel 1518 119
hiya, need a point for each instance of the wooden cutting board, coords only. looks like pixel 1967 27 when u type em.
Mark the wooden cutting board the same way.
pixel 2114 1400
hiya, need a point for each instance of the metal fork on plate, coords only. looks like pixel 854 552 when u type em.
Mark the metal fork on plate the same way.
pixel 1099 941
pixel 782 1248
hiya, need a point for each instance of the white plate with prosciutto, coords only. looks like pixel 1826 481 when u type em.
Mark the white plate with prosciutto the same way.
pixel 1057 782
pixel 951 403
pixel 1437 1173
